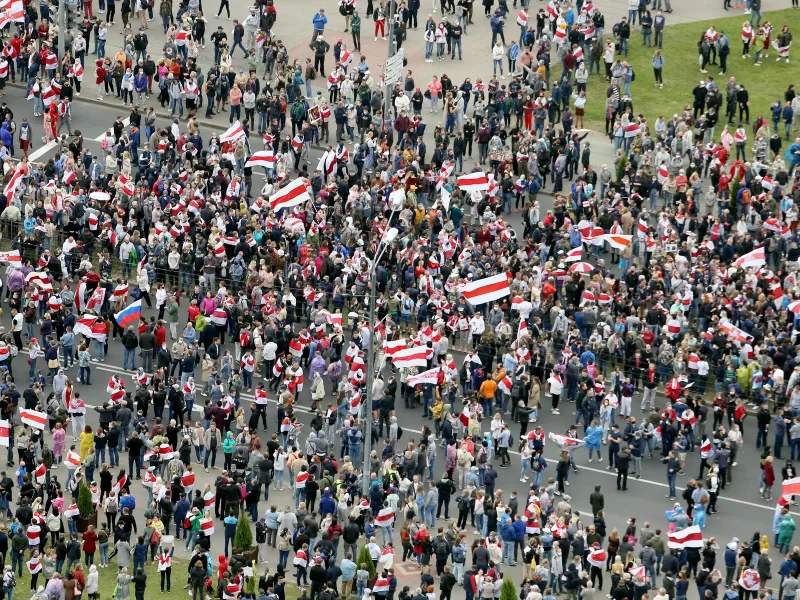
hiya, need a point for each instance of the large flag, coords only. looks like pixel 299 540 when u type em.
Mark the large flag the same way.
pixel 690 537
pixel 130 315
pixel 750 579
pixel 12 258
pixel 263 158
pixel 735 333
pixel 430 376
pixel 756 258
pixel 620 242
pixel 411 357
pixel 40 279
pixel 5 434
pixel 474 182
pixel 293 194
pixel 234 132
pixel 486 290
pixel 34 418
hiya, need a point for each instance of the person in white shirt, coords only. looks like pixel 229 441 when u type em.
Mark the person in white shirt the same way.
pixel 497 57
pixel 476 328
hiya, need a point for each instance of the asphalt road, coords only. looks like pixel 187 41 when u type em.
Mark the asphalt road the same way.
pixel 742 511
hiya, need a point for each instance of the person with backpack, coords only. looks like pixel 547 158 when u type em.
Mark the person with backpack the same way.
pixel 441 549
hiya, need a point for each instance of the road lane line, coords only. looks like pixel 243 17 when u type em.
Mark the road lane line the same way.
pixel 42 151
pixel 301 409
pixel 100 137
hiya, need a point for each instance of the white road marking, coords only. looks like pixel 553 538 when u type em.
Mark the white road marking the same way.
pixel 100 137
pixel 301 409
pixel 42 151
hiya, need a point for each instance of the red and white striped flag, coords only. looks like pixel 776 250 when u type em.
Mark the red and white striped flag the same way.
pixel 416 356
pixel 756 258
pixel 293 194
pixel 474 182
pixel 486 290
pixel 690 537
pixel 234 132
pixel 34 418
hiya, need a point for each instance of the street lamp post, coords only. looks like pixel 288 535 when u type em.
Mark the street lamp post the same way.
pixel 390 51
pixel 385 242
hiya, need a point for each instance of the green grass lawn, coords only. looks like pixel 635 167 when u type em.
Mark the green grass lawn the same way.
pixel 108 581
pixel 682 69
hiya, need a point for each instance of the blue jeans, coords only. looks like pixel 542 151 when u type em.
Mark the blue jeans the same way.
pixel 239 45
pixel 300 496
pixel 68 356
pixel 623 43
pixel 129 354
pixel 428 50
pixel 753 16
pixel 173 103
pixel 497 63
pixel 16 562
pixel 386 532
pixel 430 516
pixel 99 350
pixel 453 45
pixel 99 456
pixel 236 112
pixel 508 552
pixel 191 539
pixel 113 456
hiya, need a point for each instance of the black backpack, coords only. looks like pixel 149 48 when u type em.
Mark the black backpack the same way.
pixel 441 550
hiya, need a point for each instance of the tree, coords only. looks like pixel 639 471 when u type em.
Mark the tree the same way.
pixel 507 590
pixel 366 558
pixel 85 506
pixel 244 533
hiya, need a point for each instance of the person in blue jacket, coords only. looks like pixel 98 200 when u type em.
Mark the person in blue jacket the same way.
pixel 593 439
pixel 508 535
pixel 519 536
pixel 319 21
pixel 327 505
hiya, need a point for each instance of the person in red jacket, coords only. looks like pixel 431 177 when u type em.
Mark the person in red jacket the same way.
pixel 100 77
pixel 769 479
pixel 89 544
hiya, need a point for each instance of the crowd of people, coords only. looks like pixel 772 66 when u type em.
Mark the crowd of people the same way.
pixel 672 270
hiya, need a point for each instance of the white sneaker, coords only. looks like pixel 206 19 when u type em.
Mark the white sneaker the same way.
pixel 787 62
pixel 566 482
pixel 591 460
pixel 376 39
pixel 600 459
pixel 522 480
pixel 778 59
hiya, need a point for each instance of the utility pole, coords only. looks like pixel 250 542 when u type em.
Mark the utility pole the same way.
pixel 367 406
pixel 62 27
pixel 387 239
pixel 390 51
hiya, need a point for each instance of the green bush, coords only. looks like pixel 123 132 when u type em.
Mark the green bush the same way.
pixel 365 557
pixel 244 533
pixel 507 590
pixel 85 506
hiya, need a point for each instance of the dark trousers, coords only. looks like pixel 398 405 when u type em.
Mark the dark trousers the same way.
pixel 443 501
pixel 622 478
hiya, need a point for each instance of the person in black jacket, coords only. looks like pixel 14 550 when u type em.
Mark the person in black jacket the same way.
pixel 623 462
pixel 318 576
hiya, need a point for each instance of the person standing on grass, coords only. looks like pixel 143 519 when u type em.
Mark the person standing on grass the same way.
pixel 723 50
pixel 658 67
